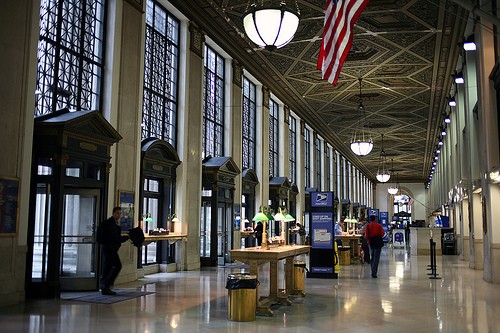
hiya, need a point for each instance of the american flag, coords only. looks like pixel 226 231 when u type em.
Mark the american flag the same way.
pixel 340 17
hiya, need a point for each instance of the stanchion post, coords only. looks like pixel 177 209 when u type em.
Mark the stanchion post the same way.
pixel 433 274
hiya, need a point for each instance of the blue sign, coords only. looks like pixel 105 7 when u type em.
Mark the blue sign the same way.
pixel 384 220
pixel 374 212
pixel 322 230
pixel 321 199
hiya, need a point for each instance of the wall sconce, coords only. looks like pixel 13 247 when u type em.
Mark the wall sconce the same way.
pixel 452 101
pixel 469 43
pixel 443 132
pixel 447 119
pixel 495 175
pixel 459 78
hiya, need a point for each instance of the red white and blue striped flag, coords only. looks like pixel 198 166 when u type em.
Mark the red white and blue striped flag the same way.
pixel 340 17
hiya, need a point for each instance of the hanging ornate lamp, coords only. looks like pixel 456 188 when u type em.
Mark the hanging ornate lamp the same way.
pixel 271 25
pixel 383 175
pixel 361 144
pixel 394 189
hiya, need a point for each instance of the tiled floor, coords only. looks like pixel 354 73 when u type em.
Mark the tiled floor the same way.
pixel 402 299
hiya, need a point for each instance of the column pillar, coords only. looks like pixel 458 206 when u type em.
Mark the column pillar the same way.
pixel 262 150
pixel 126 118
pixel 314 164
pixel 488 85
pixel 188 203
pixel 20 31
pixel 285 146
pixel 235 141
pixel 300 173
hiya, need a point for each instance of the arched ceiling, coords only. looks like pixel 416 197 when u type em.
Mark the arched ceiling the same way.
pixel 405 51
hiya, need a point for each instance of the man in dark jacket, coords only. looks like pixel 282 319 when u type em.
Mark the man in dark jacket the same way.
pixel 110 238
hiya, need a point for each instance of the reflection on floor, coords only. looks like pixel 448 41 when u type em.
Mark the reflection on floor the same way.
pixel 402 299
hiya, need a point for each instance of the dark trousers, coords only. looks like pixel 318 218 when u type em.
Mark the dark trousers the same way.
pixel 374 260
pixel 111 266
pixel 366 250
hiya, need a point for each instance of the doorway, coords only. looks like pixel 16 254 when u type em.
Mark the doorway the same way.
pixel 214 235
pixel 216 219
pixel 79 254
pixel 68 197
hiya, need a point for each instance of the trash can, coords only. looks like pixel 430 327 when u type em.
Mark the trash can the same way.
pixel 345 255
pixel 242 292
pixel 299 269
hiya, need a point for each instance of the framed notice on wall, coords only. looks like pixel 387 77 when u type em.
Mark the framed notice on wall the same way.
pixel 126 203
pixel 9 204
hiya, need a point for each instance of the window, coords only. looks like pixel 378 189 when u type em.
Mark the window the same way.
pixel 151 217
pixel 161 63
pixel 273 139
pixel 307 153
pixel 328 169
pixel 213 104
pixel 249 126
pixel 319 179
pixel 70 55
pixel 293 149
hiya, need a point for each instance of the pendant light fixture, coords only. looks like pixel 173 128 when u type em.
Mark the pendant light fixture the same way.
pixel 383 175
pixel 271 25
pixel 394 188
pixel 361 144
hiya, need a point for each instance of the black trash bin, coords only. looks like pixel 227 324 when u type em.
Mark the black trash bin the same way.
pixel 448 244
pixel 242 292
pixel 449 247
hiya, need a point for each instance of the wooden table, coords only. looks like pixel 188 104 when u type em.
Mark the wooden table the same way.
pixel 353 242
pixel 255 256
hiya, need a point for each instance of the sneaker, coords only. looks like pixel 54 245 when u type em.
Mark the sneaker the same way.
pixel 107 291
pixel 374 276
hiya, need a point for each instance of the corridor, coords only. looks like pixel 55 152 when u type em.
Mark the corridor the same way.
pixel 402 299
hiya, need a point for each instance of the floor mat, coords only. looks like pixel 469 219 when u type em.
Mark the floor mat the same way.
pixel 121 295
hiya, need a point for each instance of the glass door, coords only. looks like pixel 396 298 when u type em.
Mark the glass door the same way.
pixel 205 229
pixel 221 234
pixel 151 209
pixel 79 261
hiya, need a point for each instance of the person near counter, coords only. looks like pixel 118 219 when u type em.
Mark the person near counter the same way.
pixel 338 230
pixel 374 234
pixel 259 228
pixel 364 243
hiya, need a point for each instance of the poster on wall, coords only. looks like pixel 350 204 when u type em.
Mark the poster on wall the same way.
pixel 126 203
pixel 9 199
pixel 322 230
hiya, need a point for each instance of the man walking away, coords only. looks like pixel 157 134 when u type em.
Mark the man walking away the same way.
pixel 374 234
